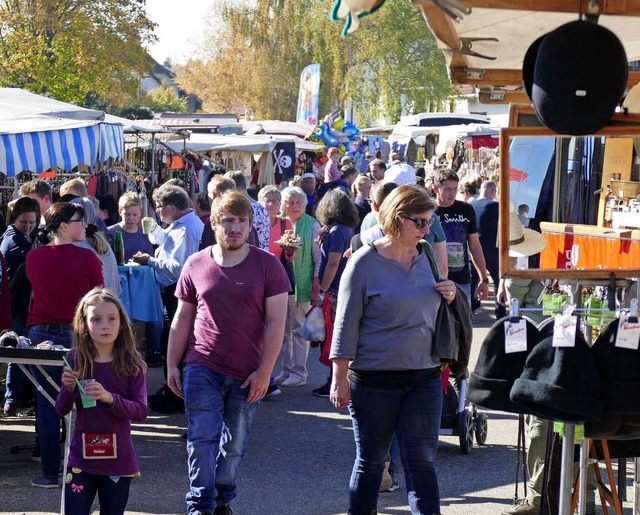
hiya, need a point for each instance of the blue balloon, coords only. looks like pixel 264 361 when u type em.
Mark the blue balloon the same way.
pixel 326 136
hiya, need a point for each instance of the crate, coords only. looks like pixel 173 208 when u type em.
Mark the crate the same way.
pixel 629 189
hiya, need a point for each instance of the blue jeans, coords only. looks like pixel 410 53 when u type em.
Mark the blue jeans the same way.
pixel 17 387
pixel 414 415
pixel 219 421
pixel 47 418
pixel 80 490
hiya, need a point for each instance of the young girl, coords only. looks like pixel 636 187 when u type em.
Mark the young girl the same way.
pixel 101 457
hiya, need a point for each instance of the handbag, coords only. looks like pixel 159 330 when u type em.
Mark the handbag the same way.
pixel 288 265
pixel 314 328
pixel 453 330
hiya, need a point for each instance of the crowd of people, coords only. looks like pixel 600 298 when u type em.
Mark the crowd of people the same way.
pixel 236 295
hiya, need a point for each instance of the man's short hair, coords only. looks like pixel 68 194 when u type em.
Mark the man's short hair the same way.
pixel 37 186
pixel 232 202
pixel 445 175
pixel 219 184
pixel 378 163
pixel 75 186
pixel 238 177
pixel 175 196
pixel 130 199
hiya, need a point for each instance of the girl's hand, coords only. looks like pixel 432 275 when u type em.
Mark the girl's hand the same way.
pixel 96 392
pixel 69 378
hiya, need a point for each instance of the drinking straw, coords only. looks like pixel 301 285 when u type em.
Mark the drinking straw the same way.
pixel 77 382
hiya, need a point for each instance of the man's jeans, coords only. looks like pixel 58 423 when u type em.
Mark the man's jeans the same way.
pixel 48 419
pixel 414 415
pixel 219 421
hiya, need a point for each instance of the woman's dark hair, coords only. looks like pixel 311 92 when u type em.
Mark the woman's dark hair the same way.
pixel 337 208
pixel 25 205
pixel 61 212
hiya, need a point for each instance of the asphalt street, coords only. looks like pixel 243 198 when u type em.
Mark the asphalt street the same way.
pixel 299 460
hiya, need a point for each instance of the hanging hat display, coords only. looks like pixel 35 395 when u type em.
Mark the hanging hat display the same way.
pixel 560 383
pixel 529 64
pixel 496 371
pixel 579 77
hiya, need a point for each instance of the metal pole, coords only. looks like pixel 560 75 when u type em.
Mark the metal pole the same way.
pixel 566 471
pixel 153 158
pixel 584 464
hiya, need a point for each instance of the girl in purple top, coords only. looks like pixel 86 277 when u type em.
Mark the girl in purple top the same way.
pixel 101 456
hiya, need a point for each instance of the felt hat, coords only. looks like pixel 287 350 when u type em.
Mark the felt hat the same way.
pixel 620 386
pixel 529 64
pixel 560 383
pixel 495 371
pixel 632 100
pixel 523 242
pixel 579 77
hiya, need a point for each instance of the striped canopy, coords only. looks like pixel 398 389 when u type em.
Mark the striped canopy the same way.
pixel 37 133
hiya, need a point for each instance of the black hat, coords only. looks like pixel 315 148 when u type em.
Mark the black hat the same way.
pixel 620 387
pixel 496 371
pixel 560 383
pixel 529 64
pixel 579 77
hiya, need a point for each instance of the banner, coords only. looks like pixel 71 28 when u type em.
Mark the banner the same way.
pixel 284 155
pixel 309 96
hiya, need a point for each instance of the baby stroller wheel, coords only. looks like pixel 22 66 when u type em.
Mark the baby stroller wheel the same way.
pixel 482 428
pixel 465 431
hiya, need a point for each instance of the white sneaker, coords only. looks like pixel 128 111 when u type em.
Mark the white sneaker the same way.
pixel 293 381
pixel 281 377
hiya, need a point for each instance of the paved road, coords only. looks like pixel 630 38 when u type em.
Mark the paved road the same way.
pixel 299 461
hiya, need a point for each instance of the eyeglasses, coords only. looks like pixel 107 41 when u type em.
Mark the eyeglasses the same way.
pixel 421 223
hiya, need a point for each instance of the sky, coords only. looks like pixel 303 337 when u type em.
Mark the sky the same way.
pixel 180 27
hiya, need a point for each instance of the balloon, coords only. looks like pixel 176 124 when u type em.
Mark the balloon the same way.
pixel 342 149
pixel 350 129
pixel 327 120
pixel 326 136
pixel 338 123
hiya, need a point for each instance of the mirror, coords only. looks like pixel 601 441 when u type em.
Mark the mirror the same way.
pixel 580 193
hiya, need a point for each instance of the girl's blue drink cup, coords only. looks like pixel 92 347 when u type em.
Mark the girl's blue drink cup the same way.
pixel 87 402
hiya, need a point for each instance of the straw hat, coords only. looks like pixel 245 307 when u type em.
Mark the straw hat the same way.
pixel 523 242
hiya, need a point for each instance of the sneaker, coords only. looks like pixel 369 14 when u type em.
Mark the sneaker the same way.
pixel 281 377
pixel 10 409
pixel 323 391
pixel 272 391
pixel 223 509
pixel 477 311
pixel 522 507
pixel 46 482
pixel 394 486
pixel 293 381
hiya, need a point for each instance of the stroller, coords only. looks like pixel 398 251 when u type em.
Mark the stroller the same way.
pixel 459 417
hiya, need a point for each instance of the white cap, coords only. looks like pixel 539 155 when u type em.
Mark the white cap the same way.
pixel 401 173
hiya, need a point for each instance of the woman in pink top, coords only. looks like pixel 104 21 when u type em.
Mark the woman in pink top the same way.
pixel 270 198
pixel 331 170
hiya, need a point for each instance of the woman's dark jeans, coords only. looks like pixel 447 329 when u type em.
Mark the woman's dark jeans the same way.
pixel 413 413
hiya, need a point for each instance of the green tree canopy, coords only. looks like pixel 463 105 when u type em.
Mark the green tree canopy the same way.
pixel 256 51
pixel 69 48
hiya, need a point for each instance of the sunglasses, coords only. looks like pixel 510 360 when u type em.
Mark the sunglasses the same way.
pixel 421 223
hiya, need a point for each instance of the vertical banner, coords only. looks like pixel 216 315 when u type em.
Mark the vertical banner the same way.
pixel 309 96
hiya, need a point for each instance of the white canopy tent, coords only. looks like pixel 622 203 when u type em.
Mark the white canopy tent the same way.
pixel 37 133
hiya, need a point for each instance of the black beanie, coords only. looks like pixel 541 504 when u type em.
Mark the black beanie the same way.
pixel 619 372
pixel 560 383
pixel 496 371
pixel 579 77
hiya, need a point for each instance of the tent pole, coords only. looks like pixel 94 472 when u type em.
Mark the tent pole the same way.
pixel 153 158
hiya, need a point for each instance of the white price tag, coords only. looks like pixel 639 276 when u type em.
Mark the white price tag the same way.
pixel 628 334
pixel 515 336
pixel 564 331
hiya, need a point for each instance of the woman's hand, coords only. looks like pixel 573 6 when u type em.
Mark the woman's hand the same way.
pixel 447 289
pixel 340 392
pixel 96 392
pixel 69 378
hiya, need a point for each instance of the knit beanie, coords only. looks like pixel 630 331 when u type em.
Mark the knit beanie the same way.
pixel 619 372
pixel 496 371
pixel 560 383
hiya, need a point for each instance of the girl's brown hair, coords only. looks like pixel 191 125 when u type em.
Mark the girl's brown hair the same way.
pixel 127 361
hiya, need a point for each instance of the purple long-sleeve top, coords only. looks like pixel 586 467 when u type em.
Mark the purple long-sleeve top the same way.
pixel 129 404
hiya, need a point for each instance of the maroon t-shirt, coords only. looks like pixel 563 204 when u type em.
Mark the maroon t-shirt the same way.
pixel 230 309
pixel 60 275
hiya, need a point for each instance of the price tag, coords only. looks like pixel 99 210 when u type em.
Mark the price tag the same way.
pixel 628 334
pixel 515 336
pixel 564 331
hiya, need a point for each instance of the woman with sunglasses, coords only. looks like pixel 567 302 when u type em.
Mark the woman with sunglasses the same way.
pixel 60 274
pixel 381 353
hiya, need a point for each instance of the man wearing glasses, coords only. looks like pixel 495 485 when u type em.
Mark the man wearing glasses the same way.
pixel 459 223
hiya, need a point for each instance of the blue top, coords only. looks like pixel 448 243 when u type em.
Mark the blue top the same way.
pixel 14 247
pixel 337 240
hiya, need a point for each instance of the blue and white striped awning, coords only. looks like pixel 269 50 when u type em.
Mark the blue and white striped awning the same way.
pixel 66 148
pixel 37 133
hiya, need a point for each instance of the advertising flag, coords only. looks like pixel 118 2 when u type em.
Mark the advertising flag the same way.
pixel 309 96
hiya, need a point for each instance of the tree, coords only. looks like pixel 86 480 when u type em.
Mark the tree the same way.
pixel 163 99
pixel 389 66
pixel 69 48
